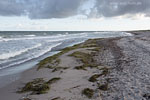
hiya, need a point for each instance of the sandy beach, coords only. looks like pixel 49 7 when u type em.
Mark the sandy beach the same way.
pixel 98 69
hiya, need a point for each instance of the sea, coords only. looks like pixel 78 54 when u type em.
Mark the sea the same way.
pixel 21 50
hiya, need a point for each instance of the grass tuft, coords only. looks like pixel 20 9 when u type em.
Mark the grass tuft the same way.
pixel 57 98
pixel 94 77
pixel 59 68
pixel 103 87
pixel 85 58
pixel 53 80
pixel 54 59
pixel 38 86
pixel 80 68
pixel 105 71
pixel 88 92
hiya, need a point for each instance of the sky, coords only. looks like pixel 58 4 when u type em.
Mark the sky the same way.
pixel 74 15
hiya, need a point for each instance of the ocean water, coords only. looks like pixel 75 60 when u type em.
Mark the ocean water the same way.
pixel 17 48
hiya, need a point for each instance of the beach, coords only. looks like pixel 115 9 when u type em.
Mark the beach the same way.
pixel 115 68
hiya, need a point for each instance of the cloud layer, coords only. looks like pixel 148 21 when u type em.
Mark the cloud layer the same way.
pixel 111 8
pixel 44 9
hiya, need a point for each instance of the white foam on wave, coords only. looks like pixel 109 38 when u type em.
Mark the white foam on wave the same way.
pixel 32 35
pixel 56 38
pixel 66 33
pixel 13 54
pixel 69 37
pixel 30 58
pixel 47 50
pixel 1 38
pixel 128 34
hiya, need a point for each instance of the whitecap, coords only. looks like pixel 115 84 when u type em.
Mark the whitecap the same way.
pixel 47 50
pixel 1 38
pixel 32 35
pixel 66 33
pixel 16 53
pixel 40 54
pixel 33 38
pixel 128 34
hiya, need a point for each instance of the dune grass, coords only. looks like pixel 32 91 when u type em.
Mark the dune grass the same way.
pixel 38 86
pixel 59 68
pixel 54 59
pixel 53 80
pixel 80 67
pixel 85 58
pixel 94 77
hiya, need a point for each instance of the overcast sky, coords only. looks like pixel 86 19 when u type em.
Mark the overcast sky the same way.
pixel 70 15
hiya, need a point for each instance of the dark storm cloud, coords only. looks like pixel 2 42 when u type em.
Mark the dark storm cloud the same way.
pixel 110 8
pixel 44 9
pixel 54 8
pixel 11 8
pixel 40 9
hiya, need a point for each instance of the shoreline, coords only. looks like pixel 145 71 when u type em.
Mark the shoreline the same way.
pixel 18 68
pixel 97 64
